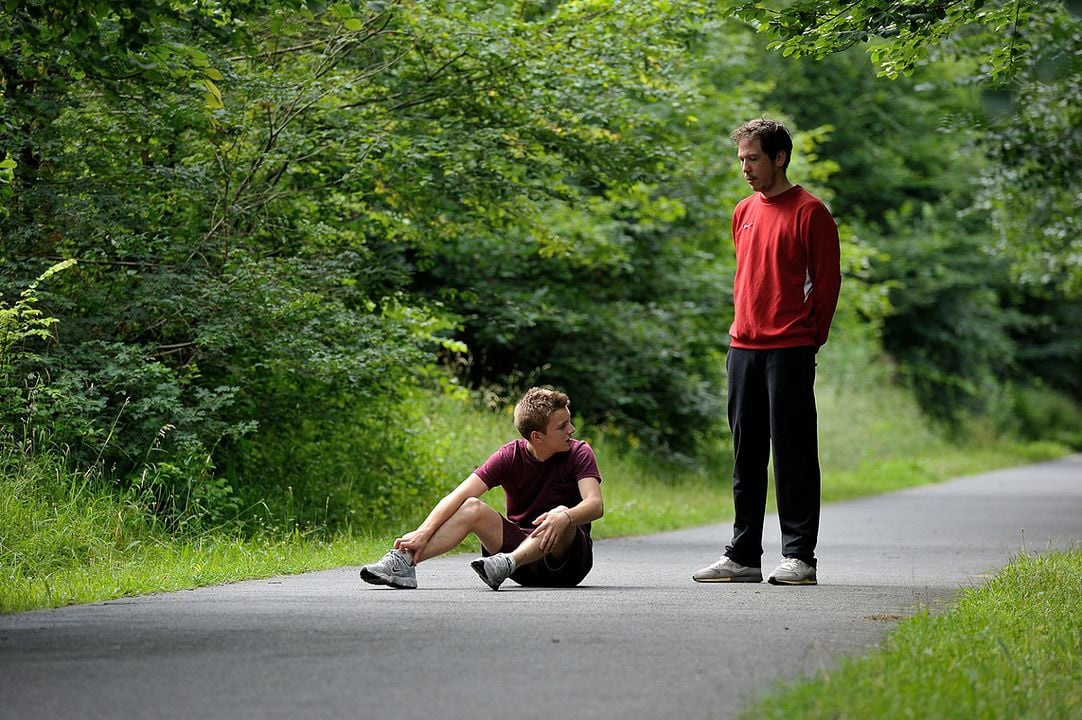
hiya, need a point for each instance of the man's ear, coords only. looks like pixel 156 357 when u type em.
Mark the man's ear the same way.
pixel 780 159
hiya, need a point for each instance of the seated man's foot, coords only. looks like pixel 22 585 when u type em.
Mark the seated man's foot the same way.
pixel 395 569
pixel 494 569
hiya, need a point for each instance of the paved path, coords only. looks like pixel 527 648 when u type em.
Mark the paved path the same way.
pixel 639 641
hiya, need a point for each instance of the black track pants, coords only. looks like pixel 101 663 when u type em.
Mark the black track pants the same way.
pixel 772 402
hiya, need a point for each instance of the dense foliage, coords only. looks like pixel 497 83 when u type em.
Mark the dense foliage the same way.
pixel 235 238
pixel 973 207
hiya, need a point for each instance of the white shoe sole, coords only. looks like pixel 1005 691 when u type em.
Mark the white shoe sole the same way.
pixel 731 579
pixel 794 581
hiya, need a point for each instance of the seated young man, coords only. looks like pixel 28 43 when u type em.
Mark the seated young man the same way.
pixel 553 491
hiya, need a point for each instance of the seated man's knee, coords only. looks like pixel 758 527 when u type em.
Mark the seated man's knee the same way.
pixel 473 509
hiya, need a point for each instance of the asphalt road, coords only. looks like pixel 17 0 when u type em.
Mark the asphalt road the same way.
pixel 638 640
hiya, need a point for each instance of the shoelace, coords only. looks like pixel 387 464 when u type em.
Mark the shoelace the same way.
pixel 395 561
pixel 502 564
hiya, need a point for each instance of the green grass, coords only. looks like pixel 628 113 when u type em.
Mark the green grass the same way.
pixel 1010 649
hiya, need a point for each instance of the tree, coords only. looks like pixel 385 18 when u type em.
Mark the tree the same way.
pixel 283 213
pixel 175 150
pixel 901 34
pixel 1025 58
pixel 1025 55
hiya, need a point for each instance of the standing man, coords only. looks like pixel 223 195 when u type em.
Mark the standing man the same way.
pixel 553 492
pixel 785 293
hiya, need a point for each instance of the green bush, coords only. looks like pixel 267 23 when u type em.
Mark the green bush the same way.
pixel 367 466
pixel 947 326
pixel 24 330
pixel 1037 412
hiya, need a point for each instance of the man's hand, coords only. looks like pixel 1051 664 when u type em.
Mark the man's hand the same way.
pixel 414 542
pixel 550 527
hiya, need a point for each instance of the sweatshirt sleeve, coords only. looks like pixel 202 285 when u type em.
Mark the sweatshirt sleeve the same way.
pixel 824 252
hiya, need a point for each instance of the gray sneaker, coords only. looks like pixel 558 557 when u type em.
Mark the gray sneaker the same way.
pixel 793 572
pixel 394 569
pixel 494 569
pixel 725 570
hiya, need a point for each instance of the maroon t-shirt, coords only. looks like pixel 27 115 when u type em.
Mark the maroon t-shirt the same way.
pixel 534 487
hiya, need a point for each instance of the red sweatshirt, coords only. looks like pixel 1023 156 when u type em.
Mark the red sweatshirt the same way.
pixel 787 271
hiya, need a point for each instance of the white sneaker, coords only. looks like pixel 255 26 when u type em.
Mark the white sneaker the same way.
pixel 793 572
pixel 494 569
pixel 395 569
pixel 725 570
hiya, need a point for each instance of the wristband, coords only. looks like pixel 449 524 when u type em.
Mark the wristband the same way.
pixel 569 520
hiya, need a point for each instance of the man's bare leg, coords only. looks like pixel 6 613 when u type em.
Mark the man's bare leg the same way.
pixel 530 549
pixel 497 568
pixel 473 516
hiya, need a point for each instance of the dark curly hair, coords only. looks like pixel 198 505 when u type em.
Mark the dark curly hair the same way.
pixel 773 137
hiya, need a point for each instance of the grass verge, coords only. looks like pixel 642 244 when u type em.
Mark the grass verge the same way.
pixel 1008 650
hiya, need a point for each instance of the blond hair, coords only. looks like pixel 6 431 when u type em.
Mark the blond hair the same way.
pixel 535 408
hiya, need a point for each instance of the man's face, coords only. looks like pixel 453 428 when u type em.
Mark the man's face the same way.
pixel 763 174
pixel 557 436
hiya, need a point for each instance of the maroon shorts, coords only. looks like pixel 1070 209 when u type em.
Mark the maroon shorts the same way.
pixel 568 571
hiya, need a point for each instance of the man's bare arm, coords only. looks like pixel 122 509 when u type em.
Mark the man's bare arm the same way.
pixel 553 524
pixel 415 541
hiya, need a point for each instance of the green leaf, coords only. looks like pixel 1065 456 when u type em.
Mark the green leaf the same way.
pixel 213 96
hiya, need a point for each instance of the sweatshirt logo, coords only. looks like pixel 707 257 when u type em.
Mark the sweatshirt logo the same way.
pixel 745 226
